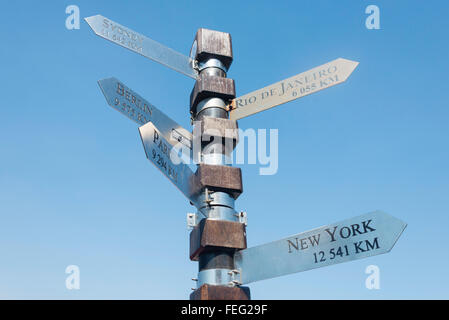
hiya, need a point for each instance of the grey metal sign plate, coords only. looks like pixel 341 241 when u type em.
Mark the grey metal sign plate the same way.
pixel 140 44
pixel 164 156
pixel 314 80
pixel 360 237
pixel 136 108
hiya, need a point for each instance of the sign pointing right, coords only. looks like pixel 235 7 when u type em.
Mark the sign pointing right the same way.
pixel 355 238
pixel 316 79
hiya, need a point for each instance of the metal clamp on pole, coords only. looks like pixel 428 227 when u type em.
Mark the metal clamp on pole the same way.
pixel 213 63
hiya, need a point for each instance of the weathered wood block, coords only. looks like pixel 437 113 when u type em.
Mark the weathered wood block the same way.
pixel 218 127
pixel 212 234
pixel 218 178
pixel 214 44
pixel 209 292
pixel 207 86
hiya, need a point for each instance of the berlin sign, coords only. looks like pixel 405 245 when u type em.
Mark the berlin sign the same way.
pixel 132 105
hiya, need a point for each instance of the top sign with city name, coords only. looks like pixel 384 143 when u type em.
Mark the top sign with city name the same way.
pixel 314 80
pixel 134 41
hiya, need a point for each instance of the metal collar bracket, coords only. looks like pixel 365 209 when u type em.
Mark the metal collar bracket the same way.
pixel 211 63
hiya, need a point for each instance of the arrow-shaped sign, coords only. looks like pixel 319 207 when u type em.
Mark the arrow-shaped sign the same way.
pixel 360 237
pixel 140 44
pixel 166 158
pixel 132 105
pixel 298 86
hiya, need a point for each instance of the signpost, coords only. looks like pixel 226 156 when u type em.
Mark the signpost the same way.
pixel 136 108
pixel 356 238
pixel 165 157
pixel 218 236
pixel 295 87
pixel 140 44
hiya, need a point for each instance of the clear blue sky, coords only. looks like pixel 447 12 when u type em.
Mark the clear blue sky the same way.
pixel 76 188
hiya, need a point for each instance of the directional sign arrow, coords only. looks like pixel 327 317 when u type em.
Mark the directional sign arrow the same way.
pixel 165 157
pixel 140 44
pixel 360 237
pixel 298 86
pixel 136 108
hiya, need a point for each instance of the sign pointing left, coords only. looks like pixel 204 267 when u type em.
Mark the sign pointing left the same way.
pixel 136 108
pixel 140 44
pixel 164 155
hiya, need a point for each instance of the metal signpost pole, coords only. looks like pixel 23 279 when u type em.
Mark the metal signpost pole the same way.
pixel 214 240
pixel 218 236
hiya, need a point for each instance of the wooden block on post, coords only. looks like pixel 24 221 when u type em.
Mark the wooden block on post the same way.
pixel 207 86
pixel 214 44
pixel 218 178
pixel 212 234
pixel 209 292
pixel 224 129
pixel 219 127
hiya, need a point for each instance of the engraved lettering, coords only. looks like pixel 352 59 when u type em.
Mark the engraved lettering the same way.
pixel 332 234
pixel 366 227
pixel 291 244
pixel 120 89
